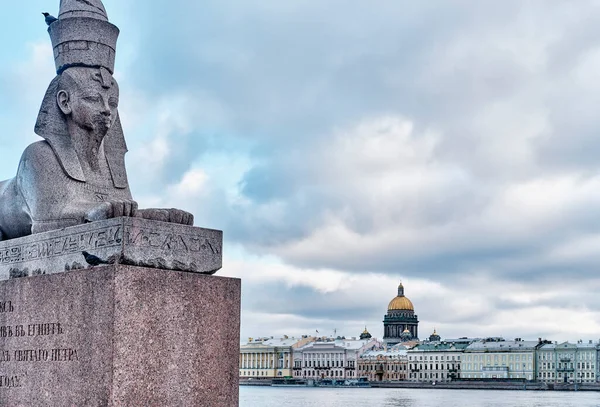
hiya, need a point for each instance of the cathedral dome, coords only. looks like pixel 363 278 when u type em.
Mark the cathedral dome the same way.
pixel 401 303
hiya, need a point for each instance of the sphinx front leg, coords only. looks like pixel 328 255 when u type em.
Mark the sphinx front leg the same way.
pixel 167 215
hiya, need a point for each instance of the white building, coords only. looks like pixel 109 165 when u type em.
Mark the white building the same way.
pixel 598 362
pixel 268 358
pixel 435 361
pixel 568 363
pixel 331 358
pixel 496 358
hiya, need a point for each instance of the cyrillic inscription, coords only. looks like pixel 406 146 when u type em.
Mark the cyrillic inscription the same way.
pixel 10 359
pixel 45 329
pixel 6 306
pixel 11 381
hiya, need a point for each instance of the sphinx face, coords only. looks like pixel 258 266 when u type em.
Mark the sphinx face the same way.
pixel 89 98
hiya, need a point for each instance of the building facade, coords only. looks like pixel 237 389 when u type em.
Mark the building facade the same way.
pixel 400 324
pixel 387 365
pixel 269 358
pixel 568 363
pixel 598 362
pixel 496 358
pixel 435 361
pixel 331 358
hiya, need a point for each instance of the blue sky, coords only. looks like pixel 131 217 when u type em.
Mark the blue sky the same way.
pixel 344 146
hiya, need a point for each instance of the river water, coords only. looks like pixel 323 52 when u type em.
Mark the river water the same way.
pixel 319 397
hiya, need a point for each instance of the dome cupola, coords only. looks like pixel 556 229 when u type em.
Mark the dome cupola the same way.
pixel 401 303
pixel 366 334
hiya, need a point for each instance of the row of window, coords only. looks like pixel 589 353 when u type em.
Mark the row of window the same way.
pixel 497 358
pixel 319 363
pixel 321 356
pixel 449 358
pixel 556 356
pixel 263 366
pixel 511 366
pixel 316 374
pixel 488 376
pixel 437 366
pixel 551 375
pixel 580 365
pixel 385 377
pixel 394 367
pixel 431 376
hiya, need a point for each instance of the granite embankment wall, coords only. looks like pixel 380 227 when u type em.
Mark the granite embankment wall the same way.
pixel 257 382
pixel 460 385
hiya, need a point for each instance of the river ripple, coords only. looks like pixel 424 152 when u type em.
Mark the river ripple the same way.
pixel 319 397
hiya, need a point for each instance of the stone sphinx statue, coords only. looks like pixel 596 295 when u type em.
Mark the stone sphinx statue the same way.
pixel 77 173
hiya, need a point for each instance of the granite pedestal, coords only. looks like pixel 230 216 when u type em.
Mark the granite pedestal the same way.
pixel 119 335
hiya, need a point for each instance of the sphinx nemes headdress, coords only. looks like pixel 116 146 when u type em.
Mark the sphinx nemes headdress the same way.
pixel 82 37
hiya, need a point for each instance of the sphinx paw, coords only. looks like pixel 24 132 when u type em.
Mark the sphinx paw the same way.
pixel 167 215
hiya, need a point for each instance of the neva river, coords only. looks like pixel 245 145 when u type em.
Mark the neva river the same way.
pixel 319 397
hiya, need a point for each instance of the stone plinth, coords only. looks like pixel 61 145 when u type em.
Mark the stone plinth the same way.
pixel 129 241
pixel 119 336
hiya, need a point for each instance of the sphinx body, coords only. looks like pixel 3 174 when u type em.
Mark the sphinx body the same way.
pixel 77 174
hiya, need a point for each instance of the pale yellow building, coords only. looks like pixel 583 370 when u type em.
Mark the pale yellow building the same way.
pixel 269 358
pixel 496 358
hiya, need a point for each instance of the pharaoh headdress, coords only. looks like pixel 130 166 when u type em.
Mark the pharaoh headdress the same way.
pixel 82 37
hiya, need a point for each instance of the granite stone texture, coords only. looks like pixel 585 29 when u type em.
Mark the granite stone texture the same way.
pixel 119 336
pixel 124 240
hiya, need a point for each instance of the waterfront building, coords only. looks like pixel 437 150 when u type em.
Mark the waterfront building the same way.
pixel 331 358
pixel 496 358
pixel 435 361
pixel 400 324
pixel 269 358
pixel 388 365
pixel 567 363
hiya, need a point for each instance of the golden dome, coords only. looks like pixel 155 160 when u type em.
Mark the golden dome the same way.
pixel 401 303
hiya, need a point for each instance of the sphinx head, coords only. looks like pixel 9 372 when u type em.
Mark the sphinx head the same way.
pixel 88 98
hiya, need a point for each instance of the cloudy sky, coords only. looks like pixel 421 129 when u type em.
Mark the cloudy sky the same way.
pixel 346 145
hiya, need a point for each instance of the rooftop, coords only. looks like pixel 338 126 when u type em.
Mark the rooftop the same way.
pixel 502 346
pixel 440 347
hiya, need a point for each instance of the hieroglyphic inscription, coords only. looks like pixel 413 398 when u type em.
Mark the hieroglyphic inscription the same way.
pixel 112 236
pixel 73 243
pixel 170 241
